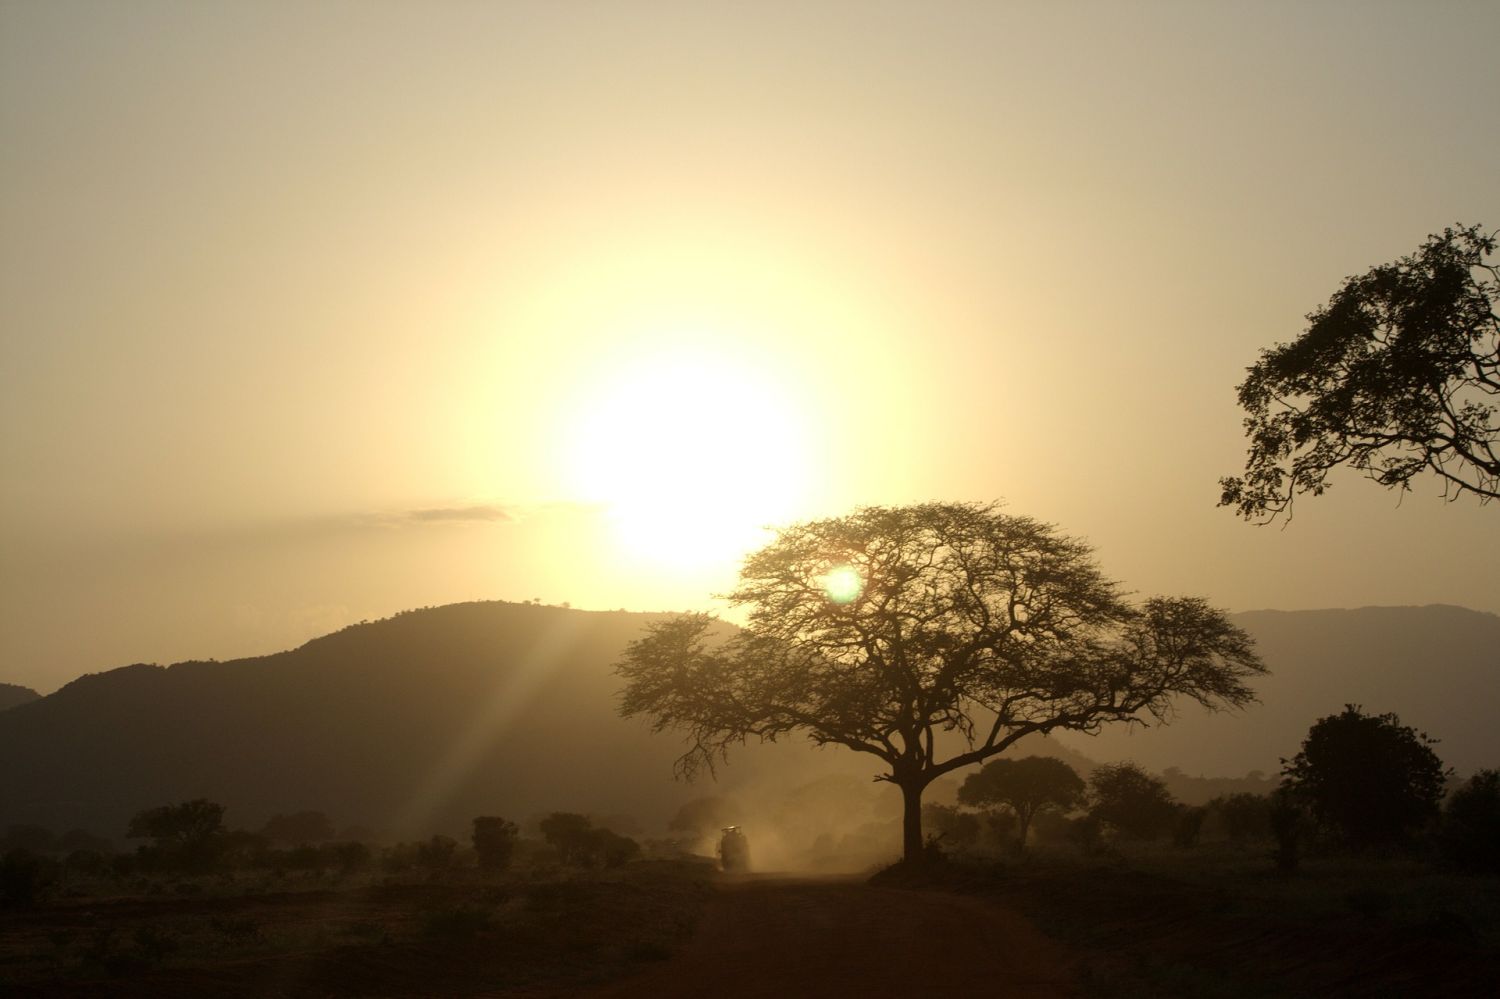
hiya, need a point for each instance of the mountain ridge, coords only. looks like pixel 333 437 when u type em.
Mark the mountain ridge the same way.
pixel 426 718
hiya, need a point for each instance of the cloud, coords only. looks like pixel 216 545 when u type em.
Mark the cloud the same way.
pixel 445 514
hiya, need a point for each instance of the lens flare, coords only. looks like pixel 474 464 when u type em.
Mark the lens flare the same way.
pixel 843 585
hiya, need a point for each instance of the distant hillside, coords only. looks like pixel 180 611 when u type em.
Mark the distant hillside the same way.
pixel 1436 667
pixel 12 694
pixel 412 724
pixel 420 722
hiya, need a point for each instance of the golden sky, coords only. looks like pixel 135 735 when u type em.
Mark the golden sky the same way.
pixel 317 311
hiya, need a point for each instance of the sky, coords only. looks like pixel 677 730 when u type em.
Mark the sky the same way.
pixel 313 312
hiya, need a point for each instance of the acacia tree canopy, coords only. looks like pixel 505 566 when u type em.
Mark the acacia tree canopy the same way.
pixel 882 630
pixel 1398 374
pixel 1026 786
pixel 1369 777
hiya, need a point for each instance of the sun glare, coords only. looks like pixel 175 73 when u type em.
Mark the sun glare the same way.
pixel 843 584
pixel 693 455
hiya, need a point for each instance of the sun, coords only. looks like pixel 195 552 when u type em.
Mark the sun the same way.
pixel 693 455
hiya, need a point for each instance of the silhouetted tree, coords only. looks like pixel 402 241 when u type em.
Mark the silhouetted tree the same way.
pixel 25 877
pixel 580 843
pixel 1026 786
pixel 611 849
pixel 298 828
pixel 494 842
pixel 436 854
pixel 1370 778
pixel 1470 834
pixel 1289 823
pixel 1188 825
pixel 1245 816
pixel 572 835
pixel 948 826
pixel 1397 374
pixel 879 630
pixel 188 834
pixel 1133 802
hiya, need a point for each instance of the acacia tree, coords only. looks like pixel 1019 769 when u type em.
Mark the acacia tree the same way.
pixel 1369 777
pixel 1025 786
pixel 1398 374
pixel 882 630
pixel 1137 804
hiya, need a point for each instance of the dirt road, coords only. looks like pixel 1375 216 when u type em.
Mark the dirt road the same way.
pixel 782 937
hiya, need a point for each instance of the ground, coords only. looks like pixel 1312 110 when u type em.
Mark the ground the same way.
pixel 798 937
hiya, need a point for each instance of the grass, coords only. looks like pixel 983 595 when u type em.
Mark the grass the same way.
pixel 1218 921
pixel 461 934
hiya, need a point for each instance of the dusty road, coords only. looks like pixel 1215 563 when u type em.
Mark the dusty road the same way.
pixel 782 937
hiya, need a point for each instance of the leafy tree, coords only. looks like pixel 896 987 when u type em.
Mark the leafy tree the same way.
pixel 880 630
pixel 572 835
pixel 1470 834
pixel 436 854
pixel 190 833
pixel 579 842
pixel 25 877
pixel 1245 816
pixel 1370 778
pixel 1398 374
pixel 494 842
pixel 1026 786
pixel 298 828
pixel 1135 803
pixel 951 827
pixel 611 849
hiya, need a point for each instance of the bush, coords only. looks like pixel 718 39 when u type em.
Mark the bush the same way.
pixel 950 827
pixel 1245 816
pixel 580 844
pixel 25 878
pixel 1369 779
pixel 1130 800
pixel 494 842
pixel 1469 837
pixel 1189 825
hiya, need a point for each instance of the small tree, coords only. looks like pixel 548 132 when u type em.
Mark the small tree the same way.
pixel 1245 815
pixel 1470 835
pixel 1026 786
pixel 572 835
pixel 950 827
pixel 1398 374
pixel 881 630
pixel 494 842
pixel 189 834
pixel 1369 778
pixel 1135 803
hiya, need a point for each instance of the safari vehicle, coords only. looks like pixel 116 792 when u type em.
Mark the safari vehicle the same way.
pixel 734 850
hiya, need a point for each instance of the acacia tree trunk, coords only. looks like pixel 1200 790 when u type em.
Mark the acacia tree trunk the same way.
pixel 911 820
pixel 1024 815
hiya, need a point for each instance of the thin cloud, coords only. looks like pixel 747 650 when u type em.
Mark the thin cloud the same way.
pixel 444 514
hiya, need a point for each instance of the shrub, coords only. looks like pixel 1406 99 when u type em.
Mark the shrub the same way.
pixel 1469 837
pixel 1245 816
pixel 1127 798
pixel 494 842
pixel 25 878
pixel 1369 779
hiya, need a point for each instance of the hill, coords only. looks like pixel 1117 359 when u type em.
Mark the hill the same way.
pixel 408 725
pixel 1437 667
pixel 419 722
pixel 12 694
